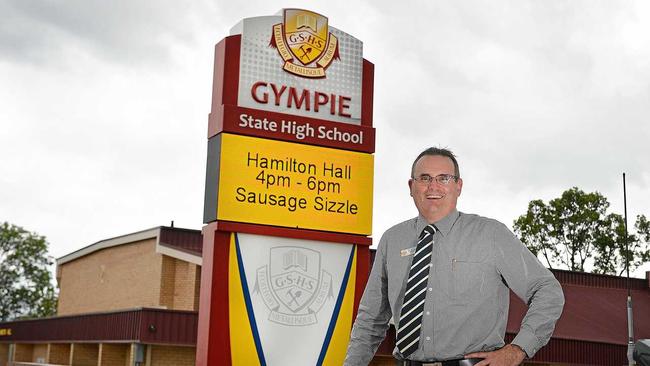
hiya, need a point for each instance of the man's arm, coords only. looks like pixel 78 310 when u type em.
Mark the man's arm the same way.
pixel 509 355
pixel 374 313
pixel 534 284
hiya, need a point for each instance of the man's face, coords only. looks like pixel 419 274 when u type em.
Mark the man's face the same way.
pixel 434 200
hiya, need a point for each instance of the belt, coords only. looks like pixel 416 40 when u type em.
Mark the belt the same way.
pixel 458 362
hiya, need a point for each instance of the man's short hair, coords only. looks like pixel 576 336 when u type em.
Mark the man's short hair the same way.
pixel 436 151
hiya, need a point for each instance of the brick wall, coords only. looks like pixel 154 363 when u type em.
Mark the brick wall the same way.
pixel 85 354
pixel 59 353
pixel 23 352
pixel 172 356
pixel 113 354
pixel 4 354
pixel 179 284
pixel 167 274
pixel 383 361
pixel 197 288
pixel 185 286
pixel 120 277
pixel 39 353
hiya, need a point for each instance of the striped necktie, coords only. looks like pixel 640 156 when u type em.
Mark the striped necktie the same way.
pixel 408 333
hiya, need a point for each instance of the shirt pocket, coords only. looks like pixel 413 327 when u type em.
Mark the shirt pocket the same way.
pixel 468 279
pixel 397 270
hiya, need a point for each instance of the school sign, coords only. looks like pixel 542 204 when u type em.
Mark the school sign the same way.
pixel 288 198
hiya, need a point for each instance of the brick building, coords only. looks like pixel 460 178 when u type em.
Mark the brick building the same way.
pixel 133 300
pixel 129 300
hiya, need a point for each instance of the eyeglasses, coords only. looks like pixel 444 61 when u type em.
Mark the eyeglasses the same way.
pixel 443 179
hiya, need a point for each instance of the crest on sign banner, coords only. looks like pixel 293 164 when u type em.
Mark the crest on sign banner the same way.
pixel 293 285
pixel 304 42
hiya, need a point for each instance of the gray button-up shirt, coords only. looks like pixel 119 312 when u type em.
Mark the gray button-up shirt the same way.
pixel 475 260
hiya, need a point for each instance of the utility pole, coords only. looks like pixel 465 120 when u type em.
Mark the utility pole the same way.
pixel 630 325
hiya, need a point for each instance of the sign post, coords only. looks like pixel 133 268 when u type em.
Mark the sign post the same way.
pixel 288 199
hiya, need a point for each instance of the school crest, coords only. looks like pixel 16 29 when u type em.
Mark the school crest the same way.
pixel 293 285
pixel 304 42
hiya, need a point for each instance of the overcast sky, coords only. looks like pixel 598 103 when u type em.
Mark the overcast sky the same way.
pixel 104 105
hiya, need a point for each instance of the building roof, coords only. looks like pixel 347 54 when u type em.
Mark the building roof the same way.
pixel 595 308
pixel 184 244
pixel 144 325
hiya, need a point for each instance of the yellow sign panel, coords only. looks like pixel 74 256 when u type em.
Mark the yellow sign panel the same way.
pixel 293 185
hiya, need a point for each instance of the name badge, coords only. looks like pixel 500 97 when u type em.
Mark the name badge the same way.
pixel 409 251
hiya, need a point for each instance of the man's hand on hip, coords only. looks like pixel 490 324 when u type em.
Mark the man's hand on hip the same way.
pixel 509 355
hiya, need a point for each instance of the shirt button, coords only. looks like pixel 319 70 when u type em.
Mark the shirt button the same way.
pixel 428 338
pixel 428 313
pixel 430 288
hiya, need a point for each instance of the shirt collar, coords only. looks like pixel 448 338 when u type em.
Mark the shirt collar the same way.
pixel 443 225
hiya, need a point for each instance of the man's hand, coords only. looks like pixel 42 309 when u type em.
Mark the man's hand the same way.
pixel 509 355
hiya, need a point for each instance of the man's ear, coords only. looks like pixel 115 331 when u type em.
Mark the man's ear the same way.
pixel 411 187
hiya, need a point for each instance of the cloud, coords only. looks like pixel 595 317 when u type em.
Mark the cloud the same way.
pixel 132 32
pixel 105 104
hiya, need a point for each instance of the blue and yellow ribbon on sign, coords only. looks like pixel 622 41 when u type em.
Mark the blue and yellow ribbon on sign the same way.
pixel 248 346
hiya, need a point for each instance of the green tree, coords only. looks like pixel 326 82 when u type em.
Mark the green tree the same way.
pixel 575 229
pixel 26 288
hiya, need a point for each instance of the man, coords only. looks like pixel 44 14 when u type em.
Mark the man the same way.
pixel 444 277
